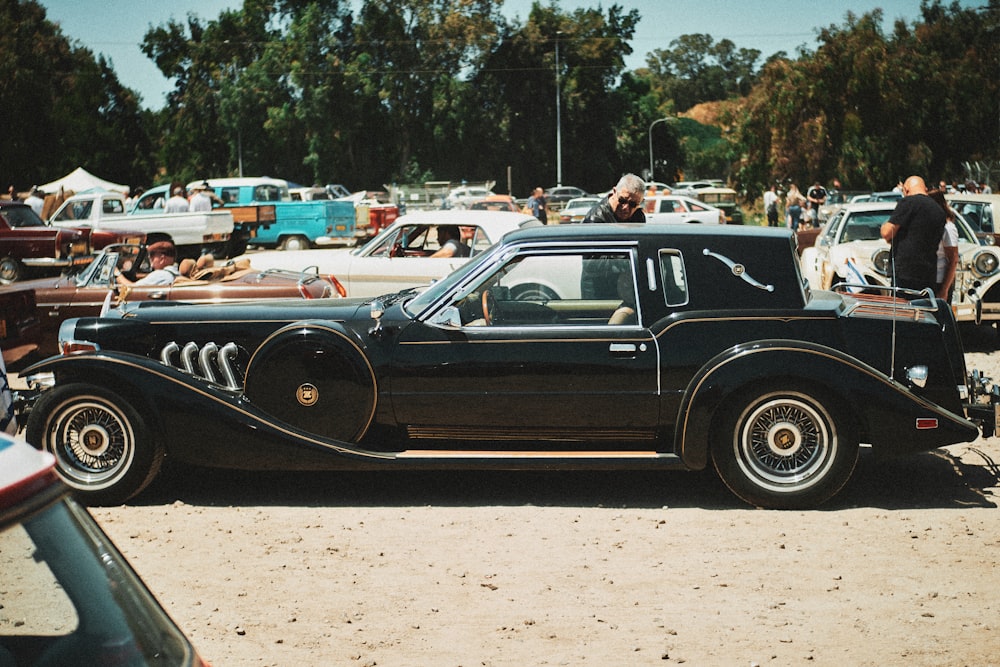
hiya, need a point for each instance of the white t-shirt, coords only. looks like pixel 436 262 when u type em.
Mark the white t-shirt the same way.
pixel 950 240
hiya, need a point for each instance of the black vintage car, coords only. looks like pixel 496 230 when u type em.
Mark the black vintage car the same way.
pixel 626 347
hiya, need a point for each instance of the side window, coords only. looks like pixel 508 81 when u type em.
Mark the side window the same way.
pixel 112 206
pixel 987 221
pixel 479 242
pixel 555 289
pixel 673 278
pixel 230 195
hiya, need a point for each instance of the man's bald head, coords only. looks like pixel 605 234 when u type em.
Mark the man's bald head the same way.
pixel 914 185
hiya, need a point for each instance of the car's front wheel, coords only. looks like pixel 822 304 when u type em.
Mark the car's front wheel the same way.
pixel 785 447
pixel 11 270
pixel 103 447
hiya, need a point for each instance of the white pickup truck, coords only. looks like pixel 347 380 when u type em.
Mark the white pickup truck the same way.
pixel 192 233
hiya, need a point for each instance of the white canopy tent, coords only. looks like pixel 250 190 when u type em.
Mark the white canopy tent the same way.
pixel 79 180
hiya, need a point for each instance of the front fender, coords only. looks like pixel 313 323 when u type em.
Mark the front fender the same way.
pixel 886 414
pixel 204 423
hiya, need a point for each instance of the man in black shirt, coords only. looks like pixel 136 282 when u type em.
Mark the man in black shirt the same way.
pixel 623 204
pixel 914 229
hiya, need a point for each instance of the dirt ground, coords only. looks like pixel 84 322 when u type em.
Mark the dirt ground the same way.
pixel 449 569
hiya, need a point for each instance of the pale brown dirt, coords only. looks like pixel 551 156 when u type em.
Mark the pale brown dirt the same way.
pixel 576 569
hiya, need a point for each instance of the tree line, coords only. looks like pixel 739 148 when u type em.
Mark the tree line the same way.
pixel 406 91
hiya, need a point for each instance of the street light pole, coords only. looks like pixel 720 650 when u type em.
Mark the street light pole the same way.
pixel 558 119
pixel 658 120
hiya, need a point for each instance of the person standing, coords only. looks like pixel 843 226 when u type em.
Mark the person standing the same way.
pixel 35 201
pixel 947 252
pixel 623 203
pixel 914 231
pixel 177 203
pixel 537 205
pixel 816 197
pixel 201 200
pixel 771 206
pixel 793 206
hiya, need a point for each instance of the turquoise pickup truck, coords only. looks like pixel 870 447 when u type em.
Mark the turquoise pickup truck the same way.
pixel 297 224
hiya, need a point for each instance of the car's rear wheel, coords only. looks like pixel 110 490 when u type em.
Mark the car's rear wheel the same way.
pixel 295 242
pixel 11 270
pixel 785 447
pixel 103 447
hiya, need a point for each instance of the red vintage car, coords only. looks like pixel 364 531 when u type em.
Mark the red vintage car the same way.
pixel 88 291
pixel 30 247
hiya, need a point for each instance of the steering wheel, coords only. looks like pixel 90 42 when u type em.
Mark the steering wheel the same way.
pixel 490 310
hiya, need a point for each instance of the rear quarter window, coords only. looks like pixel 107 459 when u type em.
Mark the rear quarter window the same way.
pixel 673 278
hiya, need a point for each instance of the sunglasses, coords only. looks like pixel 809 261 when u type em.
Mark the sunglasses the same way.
pixel 631 203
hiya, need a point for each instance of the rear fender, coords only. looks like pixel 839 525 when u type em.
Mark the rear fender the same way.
pixel 885 413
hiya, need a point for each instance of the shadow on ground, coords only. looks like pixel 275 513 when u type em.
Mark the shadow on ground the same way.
pixel 931 480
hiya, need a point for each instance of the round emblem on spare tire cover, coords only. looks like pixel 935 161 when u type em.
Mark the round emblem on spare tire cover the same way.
pixel 307 394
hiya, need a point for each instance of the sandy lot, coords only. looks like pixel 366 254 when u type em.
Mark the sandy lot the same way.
pixel 449 569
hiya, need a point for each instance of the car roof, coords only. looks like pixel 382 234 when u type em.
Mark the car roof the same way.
pixel 639 231
pixel 964 196
pixel 486 219
pixel 24 471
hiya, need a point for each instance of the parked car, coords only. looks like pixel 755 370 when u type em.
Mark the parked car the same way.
pixel 31 247
pixel 981 212
pixel 495 203
pixel 463 197
pixel 557 197
pixel 577 209
pixel 672 347
pixel 723 198
pixel 853 234
pixel 20 327
pixel 91 290
pixel 887 195
pixel 69 596
pixel 691 188
pixel 399 257
pixel 673 209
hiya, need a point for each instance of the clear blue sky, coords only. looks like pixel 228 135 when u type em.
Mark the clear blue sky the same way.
pixel 116 27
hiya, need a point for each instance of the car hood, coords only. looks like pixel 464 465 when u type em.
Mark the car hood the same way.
pixel 263 310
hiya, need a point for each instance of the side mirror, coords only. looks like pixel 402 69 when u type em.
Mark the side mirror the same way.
pixel 377 311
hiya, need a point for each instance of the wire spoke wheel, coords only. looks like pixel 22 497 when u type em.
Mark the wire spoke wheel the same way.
pixel 788 447
pixel 102 446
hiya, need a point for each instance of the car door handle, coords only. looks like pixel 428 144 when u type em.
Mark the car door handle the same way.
pixel 158 295
pixel 622 349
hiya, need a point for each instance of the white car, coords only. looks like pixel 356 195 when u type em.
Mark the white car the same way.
pixel 577 209
pixel 854 234
pixel 463 197
pixel 672 209
pixel 399 257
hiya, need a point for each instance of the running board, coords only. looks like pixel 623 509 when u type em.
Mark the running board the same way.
pixel 573 455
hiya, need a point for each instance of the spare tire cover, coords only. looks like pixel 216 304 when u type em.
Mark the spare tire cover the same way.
pixel 316 379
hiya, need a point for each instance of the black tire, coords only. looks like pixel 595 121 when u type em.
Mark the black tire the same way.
pixel 237 245
pixel 785 447
pixel 103 447
pixel 294 242
pixel 11 270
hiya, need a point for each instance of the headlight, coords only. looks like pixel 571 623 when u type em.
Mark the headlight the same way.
pixel 985 263
pixel 881 261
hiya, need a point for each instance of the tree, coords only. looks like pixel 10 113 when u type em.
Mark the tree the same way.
pixel 62 108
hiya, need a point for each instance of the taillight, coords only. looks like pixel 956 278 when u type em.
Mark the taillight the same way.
pixel 337 285
pixel 67 347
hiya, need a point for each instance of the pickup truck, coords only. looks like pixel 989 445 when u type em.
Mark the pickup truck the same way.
pixel 298 225
pixel 246 219
pixel 192 233
pixel 31 248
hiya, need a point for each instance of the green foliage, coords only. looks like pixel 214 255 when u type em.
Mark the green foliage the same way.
pixel 375 91
pixel 63 109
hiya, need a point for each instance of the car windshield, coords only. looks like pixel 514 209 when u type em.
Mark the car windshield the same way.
pixel 431 295
pixel 22 216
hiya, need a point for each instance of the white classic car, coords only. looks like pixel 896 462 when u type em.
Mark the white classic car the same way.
pixel 679 208
pixel 399 257
pixel 854 234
